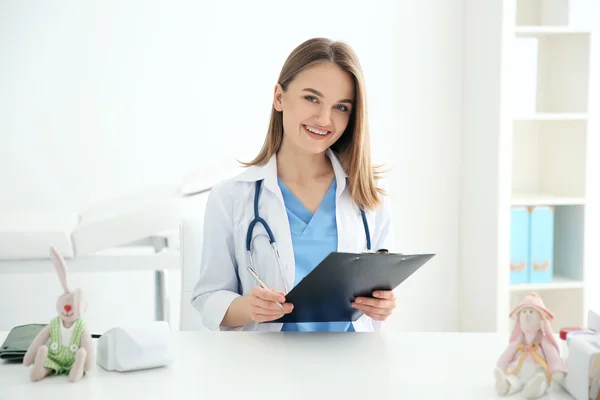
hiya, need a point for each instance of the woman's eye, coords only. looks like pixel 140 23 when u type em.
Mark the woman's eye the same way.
pixel 311 98
pixel 342 108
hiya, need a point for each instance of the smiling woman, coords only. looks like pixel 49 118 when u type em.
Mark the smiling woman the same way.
pixel 320 95
pixel 321 195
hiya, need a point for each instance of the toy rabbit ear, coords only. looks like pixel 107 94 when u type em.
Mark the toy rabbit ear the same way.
pixel 61 267
pixel 547 329
pixel 79 301
pixel 516 332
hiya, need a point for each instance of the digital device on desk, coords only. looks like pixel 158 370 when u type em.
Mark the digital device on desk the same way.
pixel 327 292
pixel 135 347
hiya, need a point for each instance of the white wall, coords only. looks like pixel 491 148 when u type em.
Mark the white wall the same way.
pixel 100 99
pixel 426 159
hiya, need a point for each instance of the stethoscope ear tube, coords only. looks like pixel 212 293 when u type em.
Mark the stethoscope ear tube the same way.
pixel 366 225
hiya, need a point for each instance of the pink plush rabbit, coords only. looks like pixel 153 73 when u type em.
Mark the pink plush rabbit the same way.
pixel 65 346
pixel 532 359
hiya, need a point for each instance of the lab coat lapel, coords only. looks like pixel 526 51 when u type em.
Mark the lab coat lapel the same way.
pixel 346 226
pixel 345 209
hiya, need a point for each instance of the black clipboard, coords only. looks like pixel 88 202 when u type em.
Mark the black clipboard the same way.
pixel 326 293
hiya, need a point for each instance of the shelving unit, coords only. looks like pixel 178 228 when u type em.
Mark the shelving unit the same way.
pixel 530 115
pixel 550 117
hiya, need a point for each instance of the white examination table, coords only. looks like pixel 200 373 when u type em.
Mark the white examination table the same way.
pixel 136 231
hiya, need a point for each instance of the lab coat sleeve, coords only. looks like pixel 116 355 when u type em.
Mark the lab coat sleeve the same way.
pixel 383 235
pixel 217 284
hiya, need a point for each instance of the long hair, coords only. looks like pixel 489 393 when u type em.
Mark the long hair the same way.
pixel 353 148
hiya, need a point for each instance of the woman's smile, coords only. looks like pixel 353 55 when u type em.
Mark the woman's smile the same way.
pixel 316 133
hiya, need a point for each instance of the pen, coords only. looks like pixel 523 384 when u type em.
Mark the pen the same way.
pixel 261 283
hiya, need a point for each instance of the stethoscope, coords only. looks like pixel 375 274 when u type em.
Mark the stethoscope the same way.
pixel 257 219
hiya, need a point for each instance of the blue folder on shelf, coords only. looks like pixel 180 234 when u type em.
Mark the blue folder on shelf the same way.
pixel 541 244
pixel 519 246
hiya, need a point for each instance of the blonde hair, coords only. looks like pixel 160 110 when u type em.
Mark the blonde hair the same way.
pixel 353 148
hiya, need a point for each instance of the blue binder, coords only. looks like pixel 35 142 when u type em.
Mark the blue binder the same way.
pixel 542 244
pixel 519 246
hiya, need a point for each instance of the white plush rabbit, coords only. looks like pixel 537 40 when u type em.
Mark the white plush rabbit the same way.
pixel 64 346
pixel 532 359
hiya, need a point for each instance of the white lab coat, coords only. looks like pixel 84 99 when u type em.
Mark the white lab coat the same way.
pixel 223 272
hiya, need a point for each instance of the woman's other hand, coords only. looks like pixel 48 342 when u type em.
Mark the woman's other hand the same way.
pixel 380 307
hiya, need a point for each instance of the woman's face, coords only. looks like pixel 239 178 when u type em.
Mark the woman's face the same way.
pixel 316 107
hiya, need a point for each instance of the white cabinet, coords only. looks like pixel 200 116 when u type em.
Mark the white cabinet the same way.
pixel 531 94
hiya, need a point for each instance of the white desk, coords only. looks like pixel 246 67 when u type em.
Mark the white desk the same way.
pixel 285 366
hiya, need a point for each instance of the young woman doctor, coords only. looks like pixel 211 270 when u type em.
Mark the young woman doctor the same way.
pixel 310 191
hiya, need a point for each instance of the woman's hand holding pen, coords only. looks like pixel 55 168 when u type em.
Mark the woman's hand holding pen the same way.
pixel 378 308
pixel 264 307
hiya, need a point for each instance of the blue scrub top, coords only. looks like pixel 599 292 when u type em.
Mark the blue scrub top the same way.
pixel 314 237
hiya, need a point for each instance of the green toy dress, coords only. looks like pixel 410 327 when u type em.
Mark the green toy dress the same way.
pixel 60 357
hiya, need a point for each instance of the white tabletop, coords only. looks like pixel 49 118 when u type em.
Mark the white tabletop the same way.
pixel 284 366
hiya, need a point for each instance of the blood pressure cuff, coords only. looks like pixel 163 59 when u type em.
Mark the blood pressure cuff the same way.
pixel 17 342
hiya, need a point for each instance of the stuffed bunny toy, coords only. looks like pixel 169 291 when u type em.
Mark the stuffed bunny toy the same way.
pixel 64 346
pixel 532 359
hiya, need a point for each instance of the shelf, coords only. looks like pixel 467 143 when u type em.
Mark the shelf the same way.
pixel 540 31
pixel 532 199
pixel 556 14
pixel 541 12
pixel 563 82
pixel 528 172
pixel 550 74
pixel 558 283
pixel 551 117
pixel 549 158
pixel 569 224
